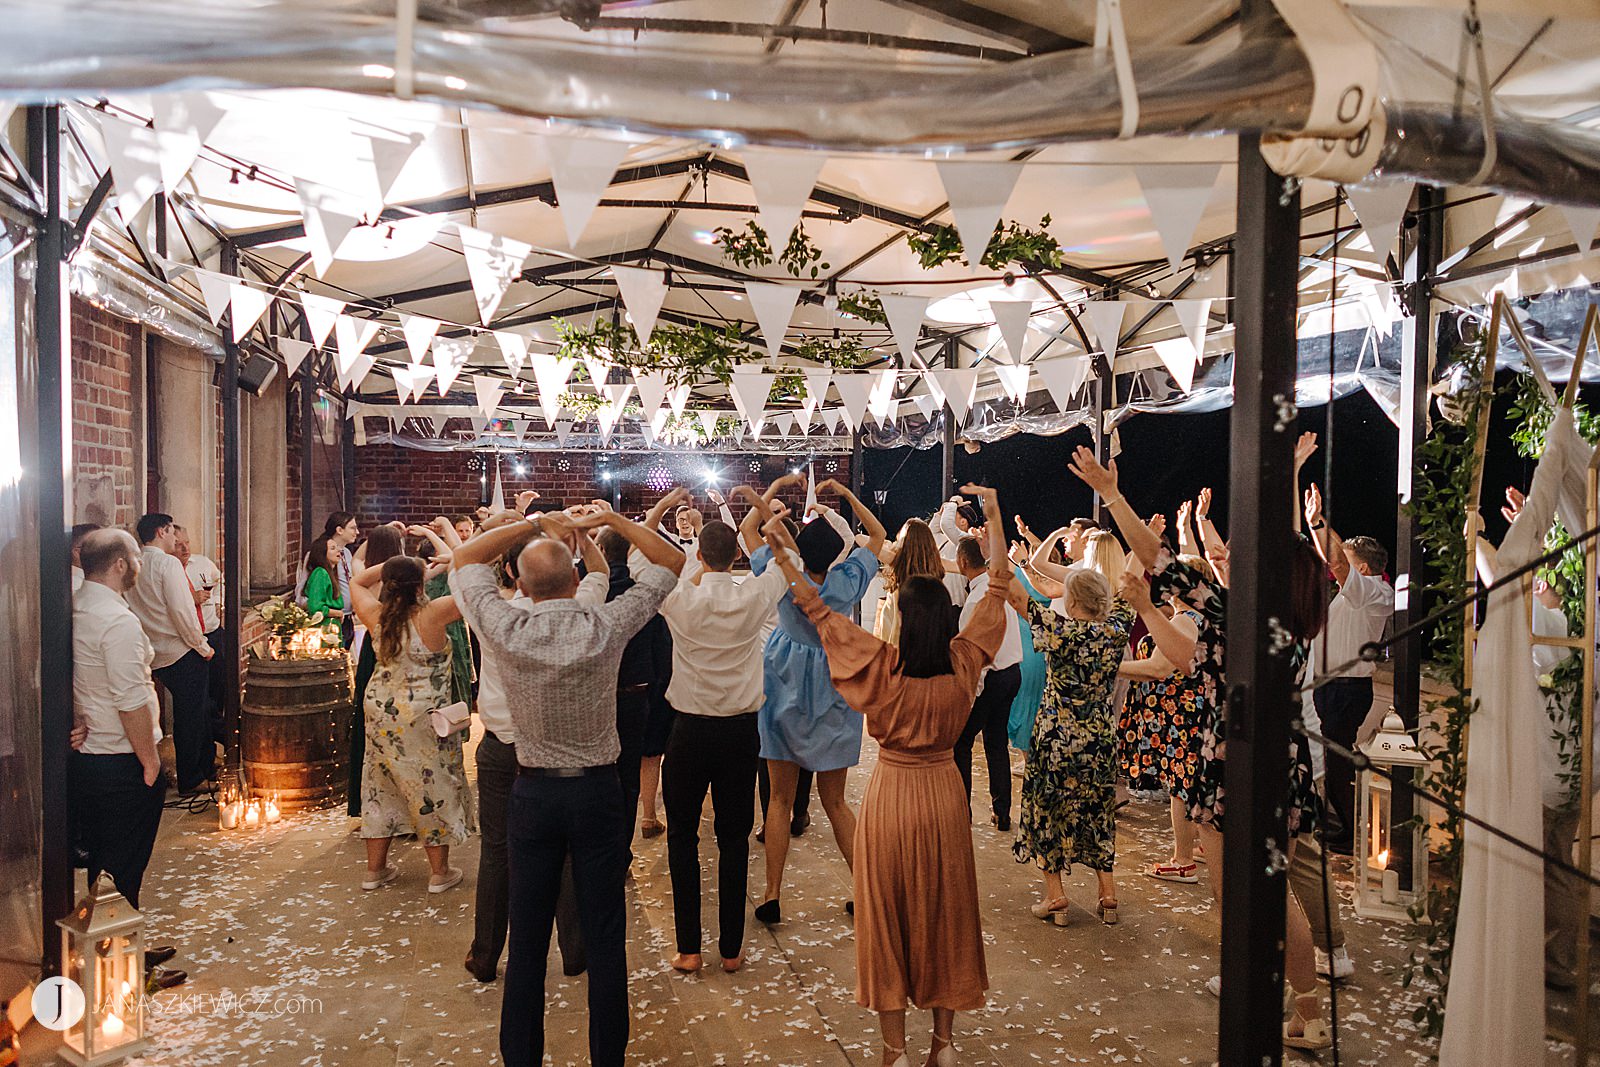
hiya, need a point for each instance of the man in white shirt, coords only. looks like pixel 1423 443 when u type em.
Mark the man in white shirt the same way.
pixel 117 787
pixel 991 710
pixel 205 582
pixel 1356 617
pixel 715 745
pixel 167 609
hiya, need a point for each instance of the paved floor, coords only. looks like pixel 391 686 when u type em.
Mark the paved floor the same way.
pixel 292 964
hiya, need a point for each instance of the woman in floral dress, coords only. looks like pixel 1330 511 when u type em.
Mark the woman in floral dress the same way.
pixel 1069 782
pixel 414 781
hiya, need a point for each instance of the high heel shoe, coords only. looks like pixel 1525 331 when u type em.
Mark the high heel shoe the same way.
pixel 1314 1032
pixel 945 1055
pixel 1107 912
pixel 900 1060
pixel 1052 911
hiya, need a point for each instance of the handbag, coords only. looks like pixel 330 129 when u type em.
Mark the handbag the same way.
pixel 451 719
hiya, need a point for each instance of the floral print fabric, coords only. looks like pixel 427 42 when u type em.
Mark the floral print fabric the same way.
pixel 1160 722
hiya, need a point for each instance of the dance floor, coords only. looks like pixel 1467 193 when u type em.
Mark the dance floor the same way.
pixel 291 963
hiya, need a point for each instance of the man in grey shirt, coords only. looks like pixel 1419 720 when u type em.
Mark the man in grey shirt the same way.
pixel 558 661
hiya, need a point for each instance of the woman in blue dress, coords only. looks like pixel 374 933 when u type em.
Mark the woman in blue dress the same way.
pixel 805 724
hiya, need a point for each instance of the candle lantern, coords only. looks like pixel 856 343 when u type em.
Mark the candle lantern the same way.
pixel 1377 862
pixel 102 950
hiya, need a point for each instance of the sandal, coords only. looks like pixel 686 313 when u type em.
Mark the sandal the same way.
pixel 651 828
pixel 898 1053
pixel 1174 872
pixel 1052 911
pixel 943 1053
pixel 1106 910
pixel 1314 1032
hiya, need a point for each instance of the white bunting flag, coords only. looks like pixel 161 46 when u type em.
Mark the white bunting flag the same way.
pixel 1011 317
pixel 648 431
pixel 563 429
pixel 835 417
pixel 551 373
pixel 599 371
pixel 773 305
pixel 419 331
pixel 708 423
pixel 816 387
pixel 217 292
pixel 1379 207
pixel 782 183
pixel 488 389
pixel 1177 195
pixel 321 313
pixel 185 121
pixel 855 392
pixel 750 390
pixel 643 292
pixel 881 400
pixel 493 263
pixel 905 315
pixel 293 352
pixel 581 169
pixel 438 422
pixel 783 422
pixel 497 502
pixel 134 155
pixel 422 376
pixel 329 217
pixel 678 398
pixel 1582 221
pixel 449 357
pixel 357 372
pixel 404 382
pixel 1192 316
pixel 514 347
pixel 1178 356
pixel 924 405
pixel 246 306
pixel 958 385
pixel 652 386
pixel 351 337
pixel 805 417
pixel 519 427
pixel 1105 319
pixel 977 192
pixel 1014 380
pixel 389 158
pixel 1062 378
pixel 617 394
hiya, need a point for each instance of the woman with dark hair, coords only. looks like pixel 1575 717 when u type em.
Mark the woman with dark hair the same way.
pixel 1188 587
pixel 919 938
pixel 322 583
pixel 914 554
pixel 382 544
pixel 415 781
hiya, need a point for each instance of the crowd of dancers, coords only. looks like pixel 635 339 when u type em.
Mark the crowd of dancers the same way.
pixel 603 653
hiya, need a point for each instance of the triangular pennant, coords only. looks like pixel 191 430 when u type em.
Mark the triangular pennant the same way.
pixel 958 384
pixel 880 401
pixel 422 376
pixel 599 371
pixel 1014 380
pixel 217 292
pixel 783 422
pixel 773 305
pixel 404 382
pixel 1011 316
pixel 186 121
pixel 519 428
pixel 648 431
pixel 750 390
pixel 617 393
pixel 438 422
pixel 1178 355
pixel 1582 221
pixel 977 193
pixel 497 502
pixel 1379 207
pixel 389 158
pixel 563 428
pixel 905 315
pixel 652 390
pixel 514 347
pixel 493 263
pixel 488 389
pixel 551 373
pixel 643 292
pixel 782 183
pixel 816 386
pixel 607 415
pixel 293 352
pixel 1177 195
pixel 805 417
pixel 708 423
pixel 1063 377
pixel 855 391
pixel 449 356
pixel 357 373
pixel 833 416
pixel 321 313
pixel 678 398
pixel 1192 316
pixel 352 336
pixel 1105 318
pixel 581 169
pixel 419 331
pixel 329 217
pixel 134 155
pixel 246 306
pixel 924 405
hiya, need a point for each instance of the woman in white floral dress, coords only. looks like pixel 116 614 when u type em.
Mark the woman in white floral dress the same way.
pixel 414 781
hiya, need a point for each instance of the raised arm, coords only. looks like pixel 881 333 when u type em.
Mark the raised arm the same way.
pixel 446 532
pixel 781 484
pixel 488 546
pixel 1186 542
pixel 1210 540
pixel 364 598
pixel 651 545
pixel 1043 559
pixel 758 515
pixel 999 565
pixel 653 517
pixel 440 547
pixel 1027 535
pixel 1142 541
pixel 1326 542
pixel 876 534
pixel 1304 449
pixel 1172 642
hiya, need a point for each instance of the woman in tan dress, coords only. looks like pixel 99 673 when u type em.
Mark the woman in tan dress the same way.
pixel 918 935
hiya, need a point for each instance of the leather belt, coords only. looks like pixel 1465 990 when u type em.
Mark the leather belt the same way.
pixel 564 772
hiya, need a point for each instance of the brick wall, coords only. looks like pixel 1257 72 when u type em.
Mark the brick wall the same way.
pixel 105 358
pixel 404 483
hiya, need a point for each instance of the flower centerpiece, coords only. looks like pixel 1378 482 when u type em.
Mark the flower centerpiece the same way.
pixel 297 633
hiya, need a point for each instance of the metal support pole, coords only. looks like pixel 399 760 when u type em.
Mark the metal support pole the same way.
pixel 947 440
pixel 53 434
pixel 1418 335
pixel 308 450
pixel 1259 702
pixel 1102 398
pixel 347 465
pixel 232 519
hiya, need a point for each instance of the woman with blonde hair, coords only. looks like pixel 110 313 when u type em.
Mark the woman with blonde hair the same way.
pixel 1103 554
pixel 915 554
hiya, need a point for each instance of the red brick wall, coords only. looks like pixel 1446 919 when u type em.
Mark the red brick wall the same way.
pixel 105 354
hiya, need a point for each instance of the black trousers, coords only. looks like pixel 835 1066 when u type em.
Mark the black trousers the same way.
pixel 719 755
pixel 991 711
pixel 633 714
pixel 497 770
pixel 551 819
pixel 216 679
pixel 366 664
pixel 1343 705
pixel 115 816
pixel 189 682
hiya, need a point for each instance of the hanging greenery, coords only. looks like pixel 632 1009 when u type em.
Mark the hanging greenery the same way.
pixel 1442 484
pixel 683 428
pixel 689 354
pixel 1011 243
pixel 865 306
pixel 750 247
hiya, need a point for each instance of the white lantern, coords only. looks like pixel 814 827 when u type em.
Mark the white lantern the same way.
pixel 102 950
pixel 1378 892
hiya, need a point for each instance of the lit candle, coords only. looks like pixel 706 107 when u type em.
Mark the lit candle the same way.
pixel 228 815
pixel 270 807
pixel 112 1028
pixel 252 813
pixel 1391 887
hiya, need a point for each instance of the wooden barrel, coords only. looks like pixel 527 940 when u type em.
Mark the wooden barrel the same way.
pixel 295 730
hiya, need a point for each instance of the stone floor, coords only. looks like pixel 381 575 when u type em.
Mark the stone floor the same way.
pixel 291 963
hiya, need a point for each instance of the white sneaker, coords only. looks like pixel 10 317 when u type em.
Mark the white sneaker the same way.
pixel 1340 965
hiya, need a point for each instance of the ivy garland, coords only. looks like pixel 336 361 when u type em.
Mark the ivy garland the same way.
pixel 582 408
pixel 865 306
pixel 750 247
pixel 1011 243
pixel 688 354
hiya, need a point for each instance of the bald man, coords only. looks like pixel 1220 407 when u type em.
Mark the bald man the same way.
pixel 559 660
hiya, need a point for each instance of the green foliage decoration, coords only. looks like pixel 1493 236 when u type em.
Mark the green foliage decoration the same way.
pixel 1012 243
pixel 750 247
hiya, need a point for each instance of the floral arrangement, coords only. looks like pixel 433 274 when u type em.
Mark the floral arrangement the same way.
pixel 285 617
